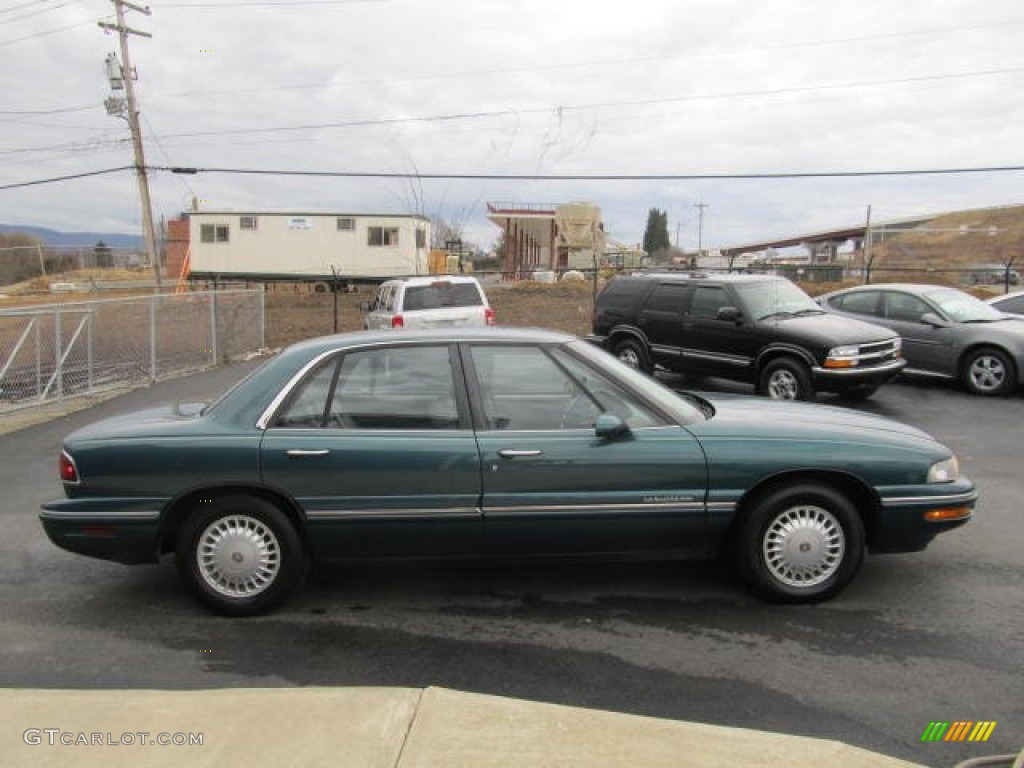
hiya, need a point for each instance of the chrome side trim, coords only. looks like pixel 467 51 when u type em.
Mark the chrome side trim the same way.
pixel 346 514
pixel 912 501
pixel 580 509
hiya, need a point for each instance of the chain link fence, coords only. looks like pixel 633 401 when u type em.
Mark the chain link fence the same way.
pixel 50 352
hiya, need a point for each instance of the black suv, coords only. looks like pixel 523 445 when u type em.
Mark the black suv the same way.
pixel 755 328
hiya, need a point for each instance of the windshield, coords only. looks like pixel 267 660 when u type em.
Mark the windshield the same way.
pixel 763 299
pixel 962 307
pixel 663 398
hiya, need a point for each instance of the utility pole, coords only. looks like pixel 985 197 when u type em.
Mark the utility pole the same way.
pixel 127 73
pixel 700 227
pixel 867 248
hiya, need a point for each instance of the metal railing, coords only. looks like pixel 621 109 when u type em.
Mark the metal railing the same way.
pixel 49 352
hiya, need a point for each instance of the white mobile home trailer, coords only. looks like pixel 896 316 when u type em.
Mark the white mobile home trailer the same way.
pixel 306 246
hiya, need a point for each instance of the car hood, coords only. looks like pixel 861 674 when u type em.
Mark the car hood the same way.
pixel 833 330
pixel 740 415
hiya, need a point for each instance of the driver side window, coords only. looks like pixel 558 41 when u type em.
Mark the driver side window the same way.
pixel 528 388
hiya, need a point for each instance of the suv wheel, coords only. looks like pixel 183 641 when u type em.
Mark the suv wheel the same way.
pixel 634 355
pixel 785 379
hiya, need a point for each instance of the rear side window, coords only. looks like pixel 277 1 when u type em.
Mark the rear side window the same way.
pixel 622 291
pixel 441 294
pixel 861 302
pixel 667 297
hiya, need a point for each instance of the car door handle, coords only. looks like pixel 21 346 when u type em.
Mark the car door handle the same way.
pixel 510 453
pixel 302 453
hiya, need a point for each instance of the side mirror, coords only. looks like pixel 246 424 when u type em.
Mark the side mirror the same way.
pixel 729 314
pixel 364 307
pixel 610 427
pixel 930 318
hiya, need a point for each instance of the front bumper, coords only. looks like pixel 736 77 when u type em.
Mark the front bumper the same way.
pixel 124 530
pixel 838 379
pixel 902 525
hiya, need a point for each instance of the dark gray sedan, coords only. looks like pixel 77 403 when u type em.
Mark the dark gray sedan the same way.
pixel 946 332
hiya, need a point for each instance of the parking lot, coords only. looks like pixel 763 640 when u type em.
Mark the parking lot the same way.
pixel 937 635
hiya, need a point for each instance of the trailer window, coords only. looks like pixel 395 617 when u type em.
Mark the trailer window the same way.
pixel 247 222
pixel 379 236
pixel 346 224
pixel 213 233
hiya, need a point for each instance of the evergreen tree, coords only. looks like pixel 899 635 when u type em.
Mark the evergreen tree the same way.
pixel 656 234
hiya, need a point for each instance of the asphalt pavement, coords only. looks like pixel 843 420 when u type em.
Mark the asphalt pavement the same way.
pixel 527 655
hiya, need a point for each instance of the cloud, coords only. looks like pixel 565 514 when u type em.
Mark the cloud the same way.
pixel 650 87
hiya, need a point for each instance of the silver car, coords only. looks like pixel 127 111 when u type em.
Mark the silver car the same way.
pixel 423 303
pixel 946 332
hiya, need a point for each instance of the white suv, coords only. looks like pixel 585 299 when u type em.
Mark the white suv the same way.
pixel 437 301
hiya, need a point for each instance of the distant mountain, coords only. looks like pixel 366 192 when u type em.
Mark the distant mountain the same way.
pixel 82 239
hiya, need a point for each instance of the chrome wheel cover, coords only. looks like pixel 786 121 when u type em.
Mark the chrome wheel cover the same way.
pixel 987 373
pixel 630 357
pixel 782 385
pixel 804 546
pixel 238 556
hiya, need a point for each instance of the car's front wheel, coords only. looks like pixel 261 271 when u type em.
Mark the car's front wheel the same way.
pixel 785 379
pixel 240 554
pixel 801 543
pixel 989 371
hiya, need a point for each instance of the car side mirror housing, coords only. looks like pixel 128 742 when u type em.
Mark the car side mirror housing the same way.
pixel 930 318
pixel 610 427
pixel 729 314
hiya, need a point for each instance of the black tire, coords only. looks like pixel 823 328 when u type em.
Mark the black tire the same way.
pixel 240 554
pixel 989 372
pixel 858 394
pixel 785 378
pixel 633 354
pixel 801 543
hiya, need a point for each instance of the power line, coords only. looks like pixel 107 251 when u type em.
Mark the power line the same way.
pixel 267 3
pixel 69 177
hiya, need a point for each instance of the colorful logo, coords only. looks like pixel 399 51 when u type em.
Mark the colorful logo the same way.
pixel 958 730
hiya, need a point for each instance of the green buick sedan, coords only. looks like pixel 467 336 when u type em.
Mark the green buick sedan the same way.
pixel 494 443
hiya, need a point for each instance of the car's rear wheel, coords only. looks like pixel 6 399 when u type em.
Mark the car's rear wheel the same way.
pixel 633 354
pixel 240 554
pixel 989 371
pixel 802 543
pixel 785 379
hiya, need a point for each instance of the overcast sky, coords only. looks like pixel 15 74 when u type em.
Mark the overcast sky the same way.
pixel 520 87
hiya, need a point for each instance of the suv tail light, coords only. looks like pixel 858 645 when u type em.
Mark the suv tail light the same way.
pixel 489 317
pixel 397 322
pixel 68 470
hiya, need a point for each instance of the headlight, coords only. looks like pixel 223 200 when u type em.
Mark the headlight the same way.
pixel 944 471
pixel 842 357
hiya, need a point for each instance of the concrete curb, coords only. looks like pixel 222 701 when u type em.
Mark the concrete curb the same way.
pixel 379 728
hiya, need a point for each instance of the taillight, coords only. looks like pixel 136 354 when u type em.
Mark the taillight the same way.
pixel 490 317
pixel 68 470
pixel 397 322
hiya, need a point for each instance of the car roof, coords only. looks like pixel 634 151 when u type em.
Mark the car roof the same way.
pixel 502 334
pixel 431 279
pixel 917 288
pixel 686 277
